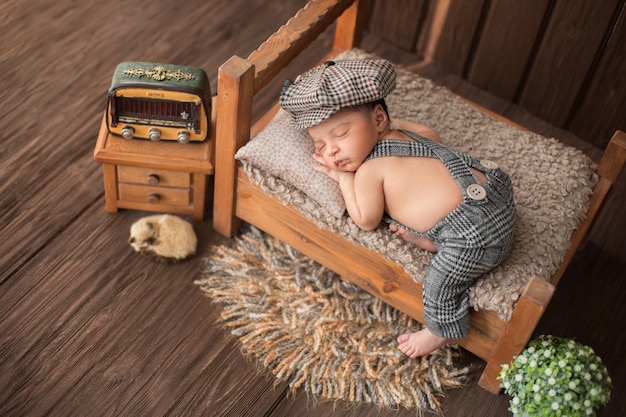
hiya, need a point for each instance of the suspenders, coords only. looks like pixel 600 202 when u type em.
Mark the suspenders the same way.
pixel 457 163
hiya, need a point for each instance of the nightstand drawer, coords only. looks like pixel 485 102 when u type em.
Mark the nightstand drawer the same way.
pixel 153 177
pixel 164 177
pixel 154 195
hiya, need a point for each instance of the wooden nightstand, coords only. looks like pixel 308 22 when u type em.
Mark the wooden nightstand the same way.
pixel 164 176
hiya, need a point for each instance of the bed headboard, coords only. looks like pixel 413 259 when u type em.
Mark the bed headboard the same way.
pixel 239 80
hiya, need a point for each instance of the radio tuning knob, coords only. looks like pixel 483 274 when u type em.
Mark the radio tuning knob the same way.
pixel 155 134
pixel 183 137
pixel 128 132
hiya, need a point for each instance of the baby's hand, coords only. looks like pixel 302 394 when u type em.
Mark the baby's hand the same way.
pixel 320 166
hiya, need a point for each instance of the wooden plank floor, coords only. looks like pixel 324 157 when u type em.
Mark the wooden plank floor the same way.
pixel 88 327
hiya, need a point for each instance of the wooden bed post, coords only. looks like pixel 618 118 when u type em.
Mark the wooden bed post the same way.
pixel 350 26
pixel 528 310
pixel 235 89
pixel 538 293
pixel 609 169
pixel 614 157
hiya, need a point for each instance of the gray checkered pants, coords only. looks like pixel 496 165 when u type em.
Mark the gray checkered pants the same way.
pixel 471 240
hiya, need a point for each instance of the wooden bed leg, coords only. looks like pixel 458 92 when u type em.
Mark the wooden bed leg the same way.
pixel 235 89
pixel 528 311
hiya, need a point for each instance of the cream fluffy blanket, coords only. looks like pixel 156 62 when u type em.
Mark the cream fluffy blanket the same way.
pixel 552 187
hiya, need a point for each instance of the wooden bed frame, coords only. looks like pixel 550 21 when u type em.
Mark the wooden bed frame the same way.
pixel 236 198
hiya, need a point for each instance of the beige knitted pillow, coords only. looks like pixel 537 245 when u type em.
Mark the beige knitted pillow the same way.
pixel 286 152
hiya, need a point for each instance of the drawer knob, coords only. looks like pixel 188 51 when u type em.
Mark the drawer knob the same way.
pixel 154 198
pixel 153 179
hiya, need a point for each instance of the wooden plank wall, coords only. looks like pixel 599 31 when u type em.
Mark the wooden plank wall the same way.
pixel 562 60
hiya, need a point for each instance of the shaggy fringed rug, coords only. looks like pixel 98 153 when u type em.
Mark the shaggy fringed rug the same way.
pixel 317 332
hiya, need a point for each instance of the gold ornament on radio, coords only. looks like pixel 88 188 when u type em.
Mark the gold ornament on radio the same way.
pixel 158 73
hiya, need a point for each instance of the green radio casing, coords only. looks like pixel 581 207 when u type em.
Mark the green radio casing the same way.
pixel 159 102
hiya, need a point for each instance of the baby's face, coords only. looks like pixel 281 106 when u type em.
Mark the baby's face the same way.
pixel 346 138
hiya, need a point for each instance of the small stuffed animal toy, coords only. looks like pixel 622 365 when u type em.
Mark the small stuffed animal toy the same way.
pixel 163 237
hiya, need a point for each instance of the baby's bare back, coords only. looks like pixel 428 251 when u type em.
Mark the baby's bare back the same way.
pixel 419 191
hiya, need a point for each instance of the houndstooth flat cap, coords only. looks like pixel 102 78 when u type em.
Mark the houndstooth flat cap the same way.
pixel 322 91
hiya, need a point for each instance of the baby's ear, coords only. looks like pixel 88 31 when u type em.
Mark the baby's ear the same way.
pixel 380 116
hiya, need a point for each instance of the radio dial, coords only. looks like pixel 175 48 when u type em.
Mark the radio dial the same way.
pixel 155 134
pixel 183 137
pixel 128 132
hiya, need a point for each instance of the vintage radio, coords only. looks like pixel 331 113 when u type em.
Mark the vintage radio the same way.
pixel 159 102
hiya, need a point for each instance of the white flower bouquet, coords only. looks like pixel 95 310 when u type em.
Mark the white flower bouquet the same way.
pixel 556 377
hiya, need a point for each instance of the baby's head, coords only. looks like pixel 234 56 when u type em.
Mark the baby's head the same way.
pixel 322 91
pixel 342 105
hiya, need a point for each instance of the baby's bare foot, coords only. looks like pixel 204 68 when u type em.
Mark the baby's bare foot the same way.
pixel 420 343
pixel 419 241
